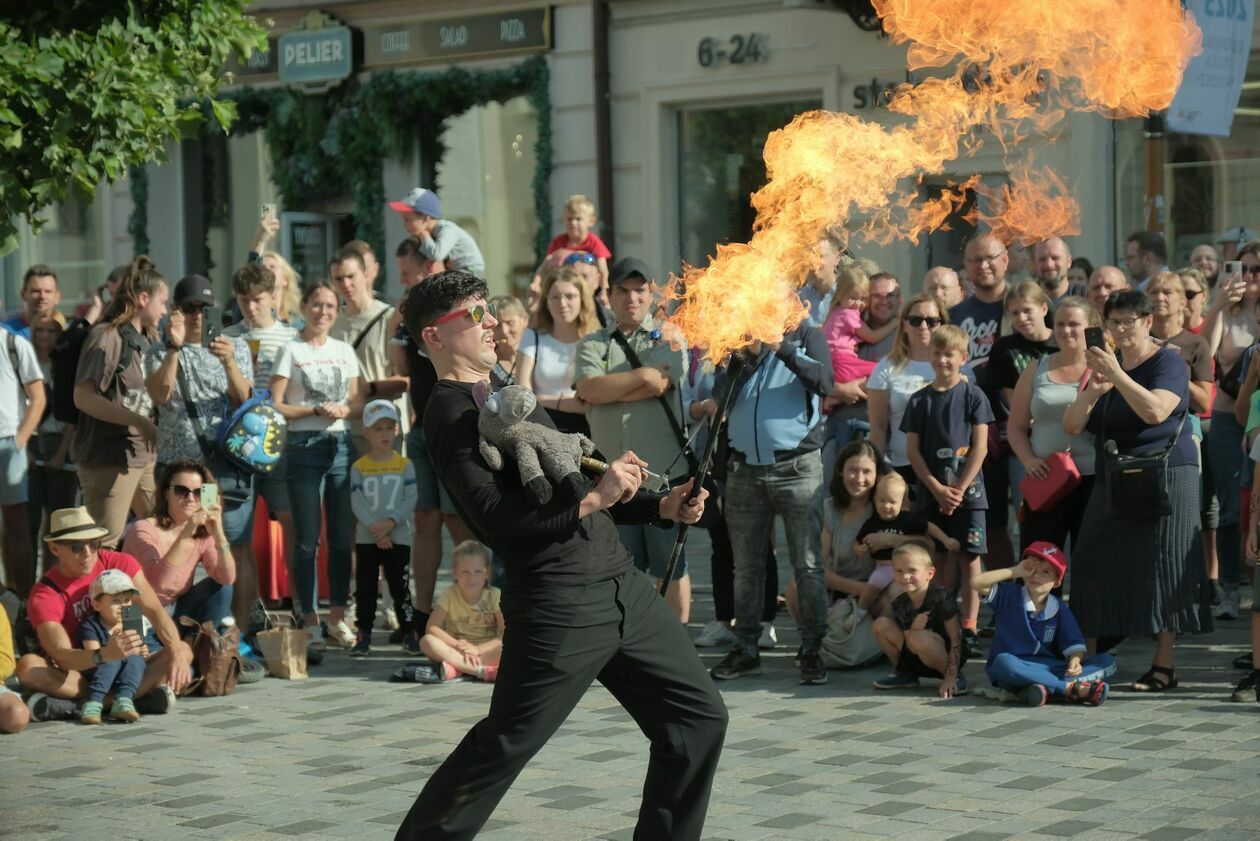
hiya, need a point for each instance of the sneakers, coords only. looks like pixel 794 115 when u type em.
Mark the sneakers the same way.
pixel 390 618
pixel 91 712
pixel 971 643
pixel 737 663
pixel 157 701
pixel 813 672
pixel 124 709
pixel 315 639
pixel 47 708
pixel 1034 695
pixel 362 645
pixel 1228 608
pixel 341 634
pixel 896 680
pixel 411 643
pixel 416 673
pixel 251 671
pixel 1246 689
pixel 716 635
pixel 1243 661
pixel 768 638
pixel 396 636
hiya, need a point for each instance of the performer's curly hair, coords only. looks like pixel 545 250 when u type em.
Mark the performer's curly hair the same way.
pixel 436 295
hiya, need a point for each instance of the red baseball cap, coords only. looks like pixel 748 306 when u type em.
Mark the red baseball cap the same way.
pixel 1051 554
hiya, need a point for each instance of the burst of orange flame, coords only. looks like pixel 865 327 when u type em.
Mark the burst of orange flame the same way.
pixel 1017 69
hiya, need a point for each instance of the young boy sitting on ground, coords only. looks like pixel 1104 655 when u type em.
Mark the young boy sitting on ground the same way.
pixel 112 590
pixel 890 526
pixel 922 637
pixel 1037 646
pixel 464 636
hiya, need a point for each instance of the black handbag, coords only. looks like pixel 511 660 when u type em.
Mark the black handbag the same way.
pixel 1135 487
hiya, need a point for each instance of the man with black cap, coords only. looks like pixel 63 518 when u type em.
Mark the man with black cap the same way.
pixel 196 386
pixel 439 240
pixel 630 375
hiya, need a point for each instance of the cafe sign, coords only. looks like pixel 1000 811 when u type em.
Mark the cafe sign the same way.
pixel 317 54
pixel 459 37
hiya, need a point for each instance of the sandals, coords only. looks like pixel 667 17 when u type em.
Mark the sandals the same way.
pixel 1153 681
pixel 1089 692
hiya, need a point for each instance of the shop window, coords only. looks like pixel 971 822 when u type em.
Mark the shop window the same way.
pixel 72 242
pixel 720 166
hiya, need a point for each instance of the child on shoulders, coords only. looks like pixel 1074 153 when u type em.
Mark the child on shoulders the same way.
pixel 921 637
pixel 890 526
pixel 1037 649
pixel 579 219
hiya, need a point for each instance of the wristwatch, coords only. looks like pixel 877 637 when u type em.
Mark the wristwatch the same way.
pixel 172 346
pixel 97 658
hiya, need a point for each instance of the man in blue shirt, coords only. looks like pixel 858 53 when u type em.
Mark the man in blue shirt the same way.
pixel 40 296
pixel 776 431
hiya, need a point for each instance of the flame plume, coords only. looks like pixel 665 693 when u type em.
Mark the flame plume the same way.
pixel 1014 69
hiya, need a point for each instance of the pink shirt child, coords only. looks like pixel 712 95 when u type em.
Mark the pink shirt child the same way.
pixel 841 331
pixel 148 544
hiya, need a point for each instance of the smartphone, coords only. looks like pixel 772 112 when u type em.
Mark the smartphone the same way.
pixel 209 495
pixel 1094 337
pixel 211 325
pixel 268 211
pixel 1233 267
pixel 133 619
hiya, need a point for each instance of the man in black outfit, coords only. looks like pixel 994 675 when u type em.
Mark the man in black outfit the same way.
pixel 575 608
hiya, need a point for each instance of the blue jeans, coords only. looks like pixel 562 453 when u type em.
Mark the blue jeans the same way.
pixel 319 473
pixel 1224 443
pixel 121 676
pixel 1014 673
pixel 206 601
pixel 755 493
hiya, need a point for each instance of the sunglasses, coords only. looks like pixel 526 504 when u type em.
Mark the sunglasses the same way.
pixel 191 309
pixel 1251 269
pixel 1191 294
pixel 79 547
pixel 477 313
pixel 184 491
pixel 580 257
pixel 920 320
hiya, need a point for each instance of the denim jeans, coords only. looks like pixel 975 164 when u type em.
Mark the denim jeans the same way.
pixel 205 601
pixel 1225 449
pixel 122 677
pixel 319 473
pixel 1014 673
pixel 755 493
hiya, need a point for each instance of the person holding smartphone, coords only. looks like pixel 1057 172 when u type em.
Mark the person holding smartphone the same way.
pixel 197 377
pixel 186 531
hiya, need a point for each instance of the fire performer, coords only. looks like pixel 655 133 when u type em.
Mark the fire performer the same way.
pixel 575 608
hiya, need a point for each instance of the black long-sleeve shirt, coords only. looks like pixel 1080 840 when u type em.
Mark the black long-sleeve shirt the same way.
pixel 537 543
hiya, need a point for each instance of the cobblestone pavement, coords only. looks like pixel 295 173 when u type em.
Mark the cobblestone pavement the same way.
pixel 343 755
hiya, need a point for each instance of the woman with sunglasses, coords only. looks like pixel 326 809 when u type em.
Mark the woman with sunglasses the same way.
pixel 316 384
pixel 182 534
pixel 1035 429
pixel 1195 284
pixel 549 348
pixel 1230 329
pixel 900 374
pixel 1138 573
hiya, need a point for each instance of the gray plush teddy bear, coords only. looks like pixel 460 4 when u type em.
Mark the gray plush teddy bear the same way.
pixel 543 456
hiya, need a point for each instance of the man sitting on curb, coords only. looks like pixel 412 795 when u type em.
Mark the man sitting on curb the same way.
pixel 58 605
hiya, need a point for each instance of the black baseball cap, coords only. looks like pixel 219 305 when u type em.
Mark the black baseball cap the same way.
pixel 193 289
pixel 628 267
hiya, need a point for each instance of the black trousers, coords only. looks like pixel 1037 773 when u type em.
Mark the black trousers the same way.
pixel 396 562
pixel 557 640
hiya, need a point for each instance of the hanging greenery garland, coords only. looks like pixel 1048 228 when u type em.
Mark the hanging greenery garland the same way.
pixel 138 224
pixel 334 144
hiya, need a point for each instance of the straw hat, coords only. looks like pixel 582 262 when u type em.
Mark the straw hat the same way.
pixel 73 524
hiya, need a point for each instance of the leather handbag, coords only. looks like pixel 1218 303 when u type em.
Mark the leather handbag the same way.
pixel 1062 478
pixel 1136 486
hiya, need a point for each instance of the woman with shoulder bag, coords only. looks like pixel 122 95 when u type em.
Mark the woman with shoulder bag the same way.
pixel 1035 431
pixel 1138 568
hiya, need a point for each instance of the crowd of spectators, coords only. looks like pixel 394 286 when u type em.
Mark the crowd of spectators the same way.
pixel 892 432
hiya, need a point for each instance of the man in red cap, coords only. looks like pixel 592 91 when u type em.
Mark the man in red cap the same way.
pixel 1037 649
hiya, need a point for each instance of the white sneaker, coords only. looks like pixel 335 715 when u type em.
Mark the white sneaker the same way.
pixel 342 634
pixel 716 634
pixel 1228 608
pixel 769 639
pixel 315 638
pixel 390 618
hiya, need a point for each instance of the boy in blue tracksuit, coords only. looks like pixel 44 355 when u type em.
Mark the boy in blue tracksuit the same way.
pixel 775 425
pixel 1037 649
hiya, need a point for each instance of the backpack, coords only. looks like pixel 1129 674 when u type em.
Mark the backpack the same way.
pixel 253 438
pixel 65 365
pixel 216 658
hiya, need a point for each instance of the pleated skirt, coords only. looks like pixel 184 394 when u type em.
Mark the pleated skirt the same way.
pixel 1132 577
